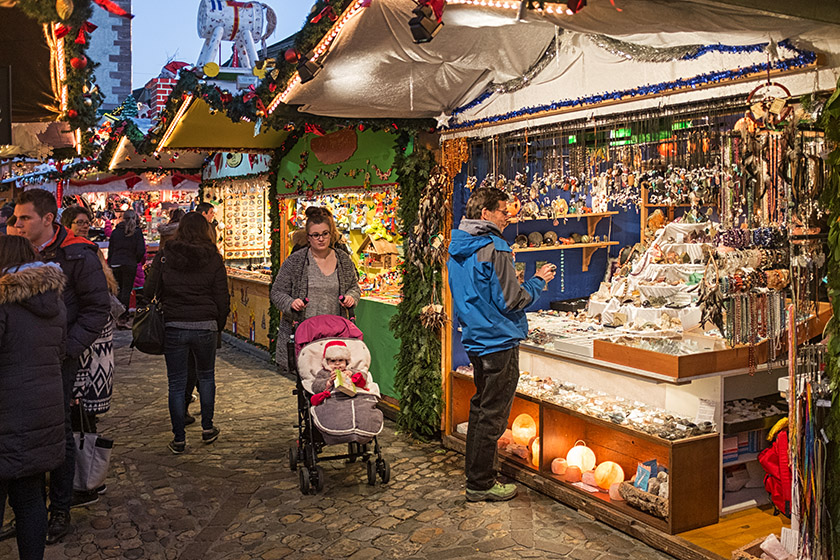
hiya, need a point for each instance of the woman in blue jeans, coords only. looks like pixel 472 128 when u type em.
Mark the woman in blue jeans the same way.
pixel 190 280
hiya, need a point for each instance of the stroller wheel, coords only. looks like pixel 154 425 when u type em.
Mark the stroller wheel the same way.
pixel 319 478
pixel 384 470
pixel 371 472
pixel 303 479
pixel 293 458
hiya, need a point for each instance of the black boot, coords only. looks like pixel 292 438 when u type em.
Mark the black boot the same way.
pixel 58 527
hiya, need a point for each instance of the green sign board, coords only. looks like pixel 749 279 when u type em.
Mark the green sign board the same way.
pixel 345 161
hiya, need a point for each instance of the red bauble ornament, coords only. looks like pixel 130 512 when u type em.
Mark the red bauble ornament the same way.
pixel 361 127
pixel 292 56
pixel 78 62
pixel 72 113
pixel 272 87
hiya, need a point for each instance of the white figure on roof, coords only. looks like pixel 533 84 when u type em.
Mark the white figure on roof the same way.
pixel 240 22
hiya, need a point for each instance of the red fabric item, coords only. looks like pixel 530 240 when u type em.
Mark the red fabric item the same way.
pixel 109 6
pixel 318 398
pixel 131 182
pixel 436 5
pixel 325 326
pixel 778 481
pixel 359 380
pixel 61 31
pixel 87 27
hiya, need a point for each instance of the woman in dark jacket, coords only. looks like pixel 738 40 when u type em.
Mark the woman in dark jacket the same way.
pixel 190 280
pixel 126 249
pixel 32 332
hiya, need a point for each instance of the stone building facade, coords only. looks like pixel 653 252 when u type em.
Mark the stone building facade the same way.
pixel 110 46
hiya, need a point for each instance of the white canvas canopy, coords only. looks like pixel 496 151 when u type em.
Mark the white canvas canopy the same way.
pixel 374 69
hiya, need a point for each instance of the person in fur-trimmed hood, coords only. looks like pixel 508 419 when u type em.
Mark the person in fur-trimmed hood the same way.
pixel 32 335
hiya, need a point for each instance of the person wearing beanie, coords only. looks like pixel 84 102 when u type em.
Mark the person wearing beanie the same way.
pixel 335 361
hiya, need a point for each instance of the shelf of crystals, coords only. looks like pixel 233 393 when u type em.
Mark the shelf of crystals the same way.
pixel 631 415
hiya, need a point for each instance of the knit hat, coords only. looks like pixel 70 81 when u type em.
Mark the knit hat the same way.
pixel 336 350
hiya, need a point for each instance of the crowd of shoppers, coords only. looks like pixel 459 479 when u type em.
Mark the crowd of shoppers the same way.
pixel 60 300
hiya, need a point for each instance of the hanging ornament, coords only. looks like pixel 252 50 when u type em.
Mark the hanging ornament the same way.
pixel 64 8
pixel 79 62
pixel 72 113
pixel 292 56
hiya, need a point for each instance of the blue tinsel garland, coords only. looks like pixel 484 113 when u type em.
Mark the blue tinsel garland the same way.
pixel 803 58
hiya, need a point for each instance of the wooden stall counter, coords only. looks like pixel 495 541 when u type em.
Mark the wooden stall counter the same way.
pixel 249 305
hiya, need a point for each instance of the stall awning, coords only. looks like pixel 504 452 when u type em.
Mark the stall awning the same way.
pixel 198 129
pixel 133 182
pixel 126 157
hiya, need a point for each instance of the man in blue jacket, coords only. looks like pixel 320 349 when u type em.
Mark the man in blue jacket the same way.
pixel 490 305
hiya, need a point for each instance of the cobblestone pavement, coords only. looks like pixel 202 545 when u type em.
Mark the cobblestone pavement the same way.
pixel 237 499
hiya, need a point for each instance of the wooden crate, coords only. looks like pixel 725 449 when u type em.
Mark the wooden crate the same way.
pixel 693 463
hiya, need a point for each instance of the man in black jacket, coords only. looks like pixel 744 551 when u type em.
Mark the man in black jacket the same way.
pixel 88 304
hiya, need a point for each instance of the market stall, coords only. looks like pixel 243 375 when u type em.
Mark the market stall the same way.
pixel 671 365
pixel 237 185
pixel 350 172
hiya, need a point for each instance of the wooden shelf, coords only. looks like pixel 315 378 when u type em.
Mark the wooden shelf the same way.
pixel 563 247
pixel 651 205
pixel 569 216
pixel 693 463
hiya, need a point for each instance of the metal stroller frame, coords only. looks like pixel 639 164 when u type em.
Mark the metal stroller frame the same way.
pixel 304 457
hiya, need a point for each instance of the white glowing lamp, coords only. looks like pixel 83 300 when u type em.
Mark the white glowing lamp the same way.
pixel 524 429
pixel 581 456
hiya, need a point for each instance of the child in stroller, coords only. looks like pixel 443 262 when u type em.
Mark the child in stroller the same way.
pixel 321 349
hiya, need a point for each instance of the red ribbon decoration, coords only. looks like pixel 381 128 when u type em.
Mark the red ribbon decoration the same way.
pixel 327 11
pixel 177 179
pixel 436 5
pixel 314 129
pixel 87 27
pixel 111 7
pixel 251 95
pixel 236 5
pixel 131 182
pixel 61 31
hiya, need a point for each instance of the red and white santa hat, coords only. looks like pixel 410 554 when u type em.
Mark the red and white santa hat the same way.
pixel 336 350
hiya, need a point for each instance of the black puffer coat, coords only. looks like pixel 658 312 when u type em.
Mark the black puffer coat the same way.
pixel 194 283
pixel 32 331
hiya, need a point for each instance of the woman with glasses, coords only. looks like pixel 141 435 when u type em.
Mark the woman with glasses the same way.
pixel 95 376
pixel 315 281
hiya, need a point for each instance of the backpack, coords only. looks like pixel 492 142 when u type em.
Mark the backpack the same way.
pixel 778 481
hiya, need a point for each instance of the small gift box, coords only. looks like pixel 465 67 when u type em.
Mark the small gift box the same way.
pixel 344 383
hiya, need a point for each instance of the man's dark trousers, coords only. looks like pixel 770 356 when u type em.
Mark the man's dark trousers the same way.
pixel 496 376
pixel 61 478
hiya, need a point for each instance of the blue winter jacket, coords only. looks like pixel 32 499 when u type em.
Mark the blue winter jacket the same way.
pixel 489 302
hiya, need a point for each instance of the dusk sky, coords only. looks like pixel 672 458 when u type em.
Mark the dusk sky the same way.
pixel 164 30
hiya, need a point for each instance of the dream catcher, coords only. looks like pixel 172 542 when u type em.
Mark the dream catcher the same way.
pixel 768 105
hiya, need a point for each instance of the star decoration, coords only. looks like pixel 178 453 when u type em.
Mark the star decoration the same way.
pixel 443 120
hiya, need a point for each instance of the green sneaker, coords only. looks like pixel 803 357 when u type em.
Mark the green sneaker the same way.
pixel 497 493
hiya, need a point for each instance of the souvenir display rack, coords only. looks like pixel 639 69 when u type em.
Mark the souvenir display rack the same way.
pixel 692 461
pixel 766 221
pixel 246 233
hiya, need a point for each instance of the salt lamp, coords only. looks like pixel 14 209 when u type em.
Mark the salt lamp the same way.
pixel 535 452
pixel 588 478
pixel 608 473
pixel 524 429
pixel 572 474
pixel 615 494
pixel 580 456
pixel 559 465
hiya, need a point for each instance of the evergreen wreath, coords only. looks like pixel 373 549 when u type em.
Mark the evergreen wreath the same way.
pixel 830 199
pixel 417 377
pixel 83 100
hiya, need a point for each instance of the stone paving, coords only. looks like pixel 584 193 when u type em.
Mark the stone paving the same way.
pixel 237 499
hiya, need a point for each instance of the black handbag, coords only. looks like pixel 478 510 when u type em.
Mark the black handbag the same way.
pixel 148 331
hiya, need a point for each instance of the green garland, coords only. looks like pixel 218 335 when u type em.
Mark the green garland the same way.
pixel 830 198
pixel 417 379
pixel 276 240
pixel 83 100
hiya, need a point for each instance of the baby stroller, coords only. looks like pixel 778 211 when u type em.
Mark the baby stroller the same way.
pixel 338 420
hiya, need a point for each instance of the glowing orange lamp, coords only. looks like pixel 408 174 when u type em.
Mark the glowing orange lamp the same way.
pixel 524 429
pixel 607 474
